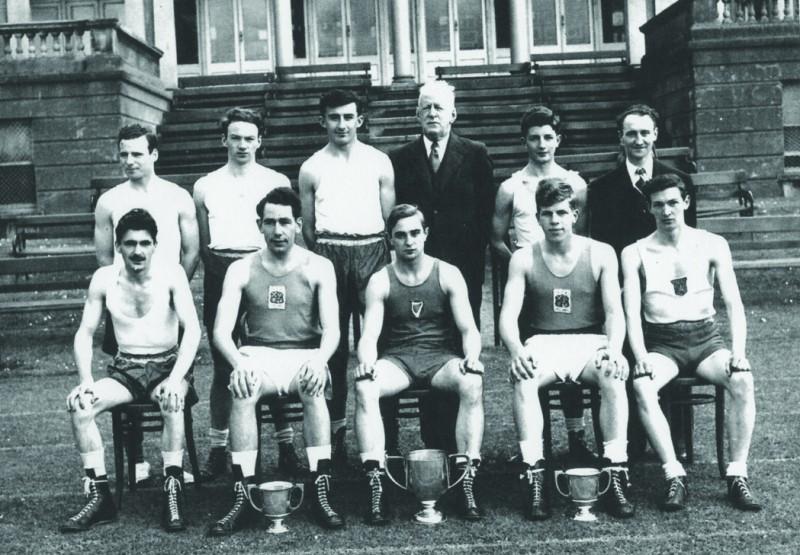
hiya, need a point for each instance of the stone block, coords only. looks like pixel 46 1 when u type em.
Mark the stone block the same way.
pixel 720 120
pixel 62 177
pixel 738 95
pixel 752 143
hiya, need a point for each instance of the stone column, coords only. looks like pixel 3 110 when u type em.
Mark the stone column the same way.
pixel 635 17
pixel 284 44
pixel 164 18
pixel 134 18
pixel 18 11
pixel 422 42
pixel 520 52
pixel 403 70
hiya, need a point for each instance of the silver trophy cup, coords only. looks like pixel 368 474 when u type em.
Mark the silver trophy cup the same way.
pixel 427 476
pixel 276 503
pixel 583 488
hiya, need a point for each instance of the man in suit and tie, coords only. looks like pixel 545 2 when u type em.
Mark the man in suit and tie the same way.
pixel 450 179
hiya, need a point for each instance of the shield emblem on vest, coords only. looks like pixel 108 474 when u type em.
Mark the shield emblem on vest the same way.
pixel 679 286
pixel 416 308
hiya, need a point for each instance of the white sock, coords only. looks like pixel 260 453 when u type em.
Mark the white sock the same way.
pixel 95 460
pixel 616 451
pixel 218 438
pixel 379 456
pixel 172 458
pixel 673 469
pixel 337 425
pixel 737 468
pixel 532 451
pixel 246 460
pixel 575 424
pixel 473 456
pixel 316 453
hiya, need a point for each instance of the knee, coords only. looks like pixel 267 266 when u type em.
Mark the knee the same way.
pixel 646 394
pixel 471 388
pixel 611 386
pixel 366 391
pixel 82 417
pixel 740 385
pixel 309 400
pixel 526 391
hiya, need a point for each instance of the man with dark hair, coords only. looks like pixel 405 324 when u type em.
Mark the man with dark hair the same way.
pixel 147 302
pixel 287 295
pixel 577 332
pixel 170 206
pixel 419 322
pixel 669 280
pixel 224 200
pixel 347 190
pixel 515 209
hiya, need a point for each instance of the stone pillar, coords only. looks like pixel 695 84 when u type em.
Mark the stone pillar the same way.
pixel 403 70
pixel 164 16
pixel 635 17
pixel 520 52
pixel 134 18
pixel 422 42
pixel 284 43
pixel 18 11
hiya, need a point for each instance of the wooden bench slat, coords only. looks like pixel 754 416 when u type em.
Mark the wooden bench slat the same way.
pixel 756 224
pixel 9 307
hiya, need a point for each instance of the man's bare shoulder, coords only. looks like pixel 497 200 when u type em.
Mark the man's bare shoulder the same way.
pixel 115 195
pixel 316 264
pixel 600 249
pixel 103 277
pixel 316 162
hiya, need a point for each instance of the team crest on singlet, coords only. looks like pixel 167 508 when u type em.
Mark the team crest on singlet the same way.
pixel 562 301
pixel 416 308
pixel 679 286
pixel 276 297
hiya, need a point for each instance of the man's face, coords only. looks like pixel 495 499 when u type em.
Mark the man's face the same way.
pixel 279 228
pixel 136 160
pixel 242 141
pixel 542 142
pixel 342 123
pixel 668 207
pixel 639 134
pixel 408 238
pixel 136 249
pixel 557 220
pixel 436 114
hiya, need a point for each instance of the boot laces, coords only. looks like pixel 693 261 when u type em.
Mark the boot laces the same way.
pixel 534 479
pixel 172 486
pixel 617 484
pixel 376 489
pixel 323 484
pixel 242 496
pixel 469 479
pixel 674 485
pixel 741 488
pixel 90 491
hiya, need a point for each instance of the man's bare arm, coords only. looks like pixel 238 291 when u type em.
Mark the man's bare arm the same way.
pixel 199 196
pixel 387 193
pixel 328 309
pixel 190 238
pixel 308 182
pixel 632 299
pixel 103 232
pixel 377 290
pixel 501 220
pixel 187 316
pixel 228 310
pixel 729 288
pixel 455 287
pixel 612 297
pixel 90 320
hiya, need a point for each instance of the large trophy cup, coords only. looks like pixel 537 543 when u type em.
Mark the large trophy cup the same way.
pixel 276 499
pixel 583 487
pixel 427 476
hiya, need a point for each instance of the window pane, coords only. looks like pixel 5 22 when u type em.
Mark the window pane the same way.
pixel 578 20
pixel 502 24
pixel 330 27
pixel 437 25
pixel 613 20
pixel 470 24
pixel 299 28
pixel 186 37
pixel 220 31
pixel 256 30
pixel 363 28
pixel 545 23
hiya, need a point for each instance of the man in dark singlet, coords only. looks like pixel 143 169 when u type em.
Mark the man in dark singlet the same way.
pixel 573 295
pixel 288 295
pixel 419 322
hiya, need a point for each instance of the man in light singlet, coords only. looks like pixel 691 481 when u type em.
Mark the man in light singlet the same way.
pixel 229 229
pixel 419 322
pixel 171 207
pixel 578 328
pixel 669 278
pixel 147 303
pixel 347 190
pixel 289 302
pixel 515 214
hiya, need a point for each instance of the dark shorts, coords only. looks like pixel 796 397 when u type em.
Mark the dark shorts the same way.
pixel 354 261
pixel 421 367
pixel 141 374
pixel 213 276
pixel 686 343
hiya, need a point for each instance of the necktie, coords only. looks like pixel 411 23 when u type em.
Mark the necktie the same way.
pixel 434 158
pixel 640 182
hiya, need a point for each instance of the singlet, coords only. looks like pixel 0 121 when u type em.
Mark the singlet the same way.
pixel 231 205
pixel 161 200
pixel 154 332
pixel 674 292
pixel 569 303
pixel 281 311
pixel 527 230
pixel 417 317
pixel 347 200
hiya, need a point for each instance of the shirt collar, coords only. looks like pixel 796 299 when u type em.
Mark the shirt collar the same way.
pixel 441 142
pixel 648 168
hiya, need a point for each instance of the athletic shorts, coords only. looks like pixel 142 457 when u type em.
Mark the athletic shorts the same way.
pixel 281 366
pixel 421 367
pixel 566 354
pixel 213 276
pixel 141 374
pixel 685 343
pixel 354 261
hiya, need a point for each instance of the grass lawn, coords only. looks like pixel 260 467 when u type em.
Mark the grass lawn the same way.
pixel 40 469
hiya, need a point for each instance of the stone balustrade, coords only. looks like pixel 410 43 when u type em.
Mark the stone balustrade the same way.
pixel 756 11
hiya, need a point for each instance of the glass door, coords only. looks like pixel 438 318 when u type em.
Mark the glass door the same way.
pixel 562 25
pixel 238 36
pixel 346 31
pixel 455 33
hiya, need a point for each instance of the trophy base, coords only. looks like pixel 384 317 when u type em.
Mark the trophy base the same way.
pixel 276 527
pixel 584 514
pixel 429 515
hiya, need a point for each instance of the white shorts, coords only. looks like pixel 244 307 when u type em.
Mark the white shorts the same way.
pixel 280 365
pixel 565 354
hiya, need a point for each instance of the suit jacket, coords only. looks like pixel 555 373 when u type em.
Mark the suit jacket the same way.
pixel 618 214
pixel 457 201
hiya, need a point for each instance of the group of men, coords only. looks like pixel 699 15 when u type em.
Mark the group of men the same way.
pixel 278 314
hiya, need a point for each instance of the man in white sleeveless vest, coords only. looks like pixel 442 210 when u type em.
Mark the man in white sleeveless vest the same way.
pixel 288 295
pixel 577 327
pixel 669 279
pixel 147 303
pixel 419 322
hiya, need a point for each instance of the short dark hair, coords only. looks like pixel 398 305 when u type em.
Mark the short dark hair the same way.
pixel 285 196
pixel 137 219
pixel 134 131
pixel 539 116
pixel 241 114
pixel 339 97
pixel 402 211
pixel 552 190
pixel 663 182
pixel 638 110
